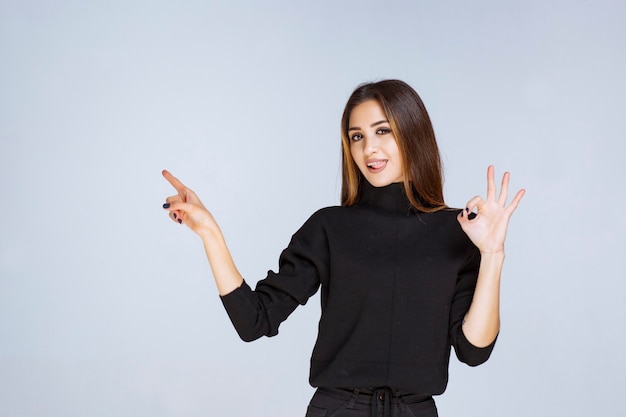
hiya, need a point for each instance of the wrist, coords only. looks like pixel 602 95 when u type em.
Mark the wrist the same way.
pixel 492 260
pixel 209 234
pixel 495 254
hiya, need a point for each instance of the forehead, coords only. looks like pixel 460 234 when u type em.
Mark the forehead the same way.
pixel 366 113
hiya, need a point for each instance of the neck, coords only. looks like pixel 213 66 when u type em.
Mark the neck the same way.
pixel 391 198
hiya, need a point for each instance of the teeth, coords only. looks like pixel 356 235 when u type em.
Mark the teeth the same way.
pixel 374 164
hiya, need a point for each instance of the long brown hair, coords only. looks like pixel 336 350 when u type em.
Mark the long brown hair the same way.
pixel 413 130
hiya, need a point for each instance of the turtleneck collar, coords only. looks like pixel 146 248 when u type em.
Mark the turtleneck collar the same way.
pixel 391 198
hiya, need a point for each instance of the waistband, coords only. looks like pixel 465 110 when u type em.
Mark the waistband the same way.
pixel 381 399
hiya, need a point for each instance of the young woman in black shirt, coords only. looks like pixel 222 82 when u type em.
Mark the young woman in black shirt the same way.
pixel 403 277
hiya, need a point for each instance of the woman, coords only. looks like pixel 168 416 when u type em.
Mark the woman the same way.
pixel 403 277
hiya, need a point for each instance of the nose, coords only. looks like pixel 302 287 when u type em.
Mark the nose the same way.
pixel 371 144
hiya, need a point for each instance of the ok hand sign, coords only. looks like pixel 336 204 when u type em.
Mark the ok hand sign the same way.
pixel 488 229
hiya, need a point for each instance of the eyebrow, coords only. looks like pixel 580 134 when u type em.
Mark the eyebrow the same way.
pixel 372 125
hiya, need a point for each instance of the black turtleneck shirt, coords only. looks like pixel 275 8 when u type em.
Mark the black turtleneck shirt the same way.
pixel 395 286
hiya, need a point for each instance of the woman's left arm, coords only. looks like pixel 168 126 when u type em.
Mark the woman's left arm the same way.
pixel 487 230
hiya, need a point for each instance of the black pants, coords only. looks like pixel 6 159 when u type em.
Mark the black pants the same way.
pixel 331 402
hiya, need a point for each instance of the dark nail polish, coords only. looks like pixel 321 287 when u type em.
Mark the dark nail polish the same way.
pixel 166 205
pixel 467 209
pixel 175 215
pixel 180 221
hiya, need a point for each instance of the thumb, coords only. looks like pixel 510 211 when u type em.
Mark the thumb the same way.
pixel 179 206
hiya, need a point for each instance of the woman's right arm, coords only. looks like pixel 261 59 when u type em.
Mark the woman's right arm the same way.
pixel 186 208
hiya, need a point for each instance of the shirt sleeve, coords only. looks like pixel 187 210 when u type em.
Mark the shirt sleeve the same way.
pixel 302 266
pixel 465 351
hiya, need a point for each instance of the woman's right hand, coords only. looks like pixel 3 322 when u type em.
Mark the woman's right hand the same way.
pixel 186 208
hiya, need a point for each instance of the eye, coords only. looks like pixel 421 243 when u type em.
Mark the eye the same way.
pixel 383 131
pixel 356 137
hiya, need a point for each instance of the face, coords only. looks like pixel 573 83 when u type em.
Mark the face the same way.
pixel 373 145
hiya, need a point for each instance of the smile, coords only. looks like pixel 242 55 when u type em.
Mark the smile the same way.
pixel 376 165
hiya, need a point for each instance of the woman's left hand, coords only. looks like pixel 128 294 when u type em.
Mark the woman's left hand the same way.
pixel 488 229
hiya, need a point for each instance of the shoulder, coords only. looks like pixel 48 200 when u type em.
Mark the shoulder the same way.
pixel 323 217
pixel 314 232
pixel 328 211
pixel 331 221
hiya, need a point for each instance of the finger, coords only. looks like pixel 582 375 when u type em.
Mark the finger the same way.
pixel 465 216
pixel 173 199
pixel 516 200
pixel 491 184
pixel 179 186
pixel 175 217
pixel 178 211
pixel 179 207
pixel 504 191
pixel 474 203
pixel 462 217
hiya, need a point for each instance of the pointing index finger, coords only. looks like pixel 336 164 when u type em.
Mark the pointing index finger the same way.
pixel 179 186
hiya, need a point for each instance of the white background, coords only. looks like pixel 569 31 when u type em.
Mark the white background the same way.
pixel 107 308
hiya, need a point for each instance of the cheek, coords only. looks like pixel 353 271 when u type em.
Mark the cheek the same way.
pixel 395 151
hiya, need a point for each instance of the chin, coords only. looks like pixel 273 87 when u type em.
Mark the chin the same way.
pixel 379 182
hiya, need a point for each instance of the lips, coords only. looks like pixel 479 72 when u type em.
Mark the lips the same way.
pixel 376 165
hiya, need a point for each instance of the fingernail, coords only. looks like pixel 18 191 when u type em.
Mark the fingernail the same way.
pixel 166 205
pixel 180 221
pixel 467 209
pixel 174 215
pixel 462 213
